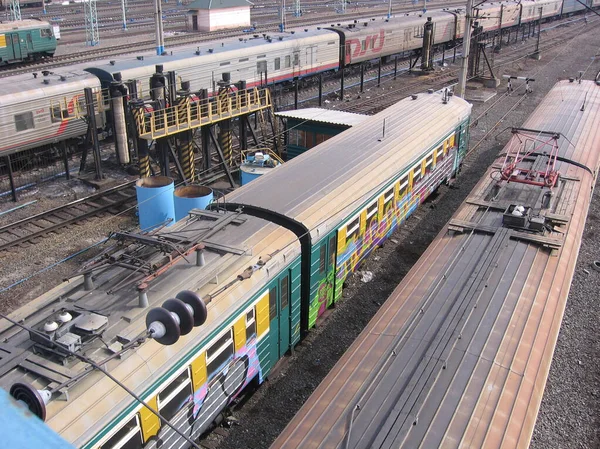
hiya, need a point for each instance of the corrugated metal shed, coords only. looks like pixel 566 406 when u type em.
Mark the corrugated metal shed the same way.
pixel 321 115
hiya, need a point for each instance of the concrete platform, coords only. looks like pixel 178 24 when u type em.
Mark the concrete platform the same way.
pixel 480 95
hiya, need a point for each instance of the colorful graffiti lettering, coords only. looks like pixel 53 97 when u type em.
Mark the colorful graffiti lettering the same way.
pixel 376 232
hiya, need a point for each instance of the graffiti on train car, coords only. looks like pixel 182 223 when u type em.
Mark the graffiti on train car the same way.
pixel 220 389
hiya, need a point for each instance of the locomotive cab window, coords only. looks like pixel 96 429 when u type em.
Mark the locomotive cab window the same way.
pixel 220 351
pixel 128 437
pixel 24 121
pixel 175 395
pixel 46 32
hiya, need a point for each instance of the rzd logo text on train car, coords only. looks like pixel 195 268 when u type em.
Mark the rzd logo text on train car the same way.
pixel 372 44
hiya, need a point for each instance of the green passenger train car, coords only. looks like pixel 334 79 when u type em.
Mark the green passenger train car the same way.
pixel 26 40
pixel 187 317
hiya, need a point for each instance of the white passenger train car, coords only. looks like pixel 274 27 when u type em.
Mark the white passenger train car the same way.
pixel 278 57
pixel 43 110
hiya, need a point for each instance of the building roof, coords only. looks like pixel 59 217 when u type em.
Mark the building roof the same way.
pixel 330 116
pixel 217 4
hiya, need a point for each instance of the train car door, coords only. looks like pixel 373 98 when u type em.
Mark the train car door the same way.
pixel 297 68
pixel 322 277
pixel 279 316
pixel 284 313
pixel 29 41
pixel 16 46
pixel 311 57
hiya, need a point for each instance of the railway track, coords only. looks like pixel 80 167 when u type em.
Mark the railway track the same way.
pixel 33 228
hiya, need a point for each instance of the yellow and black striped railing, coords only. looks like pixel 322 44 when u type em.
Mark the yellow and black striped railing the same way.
pixel 194 114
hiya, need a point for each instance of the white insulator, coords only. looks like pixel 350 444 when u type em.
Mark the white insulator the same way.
pixel 157 329
pixel 516 212
pixel 175 317
pixel 120 130
pixel 50 326
pixel 45 395
pixel 65 317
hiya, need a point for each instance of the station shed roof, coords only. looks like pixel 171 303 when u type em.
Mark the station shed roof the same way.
pixel 217 4
pixel 321 115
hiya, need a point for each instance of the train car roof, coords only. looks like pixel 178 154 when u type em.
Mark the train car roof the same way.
pixel 54 83
pixel 233 242
pixel 356 163
pixel 133 67
pixel 459 354
pixel 27 24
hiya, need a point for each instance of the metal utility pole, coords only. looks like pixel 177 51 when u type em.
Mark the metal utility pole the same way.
pixel 15 10
pixel 124 8
pixel 390 9
pixel 160 40
pixel 92 37
pixel 297 8
pixel 282 17
pixel 464 63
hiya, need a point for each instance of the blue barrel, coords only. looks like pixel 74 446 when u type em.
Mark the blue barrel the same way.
pixel 250 172
pixel 155 201
pixel 191 197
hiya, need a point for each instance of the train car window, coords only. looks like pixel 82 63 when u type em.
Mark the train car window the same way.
pixel 440 153
pixel 331 43
pixel 372 210
pixel 46 32
pixel 128 437
pixel 24 121
pixel 388 197
pixel 363 45
pixel 352 228
pixel 272 303
pixel 429 163
pixel 277 63
pixel 403 186
pixel 332 250
pixel 220 351
pixel 29 38
pixel 261 56
pixel 250 324
pixel 288 61
pixel 55 114
pixel 416 174
pixel 225 63
pixel 285 294
pixel 296 58
pixel 175 395
pixel 322 258
pixel 261 66
pixel 243 60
